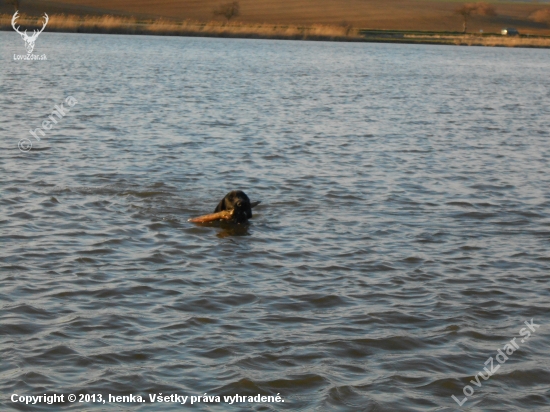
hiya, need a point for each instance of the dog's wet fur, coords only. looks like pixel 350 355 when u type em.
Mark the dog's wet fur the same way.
pixel 238 201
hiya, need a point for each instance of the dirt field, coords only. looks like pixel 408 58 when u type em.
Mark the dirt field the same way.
pixel 370 14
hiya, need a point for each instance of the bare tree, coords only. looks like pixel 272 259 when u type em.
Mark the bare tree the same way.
pixel 228 10
pixel 541 16
pixel 348 27
pixel 469 9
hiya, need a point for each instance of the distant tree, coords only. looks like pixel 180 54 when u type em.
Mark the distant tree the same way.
pixel 15 3
pixel 348 27
pixel 228 10
pixel 541 16
pixel 469 9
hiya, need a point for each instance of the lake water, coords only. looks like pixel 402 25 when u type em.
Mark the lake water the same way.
pixel 402 239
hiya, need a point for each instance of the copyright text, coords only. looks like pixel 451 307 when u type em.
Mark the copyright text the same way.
pixel 147 398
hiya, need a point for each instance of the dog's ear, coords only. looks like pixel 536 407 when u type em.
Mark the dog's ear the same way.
pixel 221 206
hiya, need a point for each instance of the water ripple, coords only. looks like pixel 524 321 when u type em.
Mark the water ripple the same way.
pixel 402 237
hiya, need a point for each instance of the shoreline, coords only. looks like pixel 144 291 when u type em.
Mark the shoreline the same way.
pixel 109 24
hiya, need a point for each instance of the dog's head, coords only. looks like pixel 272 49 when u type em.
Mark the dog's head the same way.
pixel 238 201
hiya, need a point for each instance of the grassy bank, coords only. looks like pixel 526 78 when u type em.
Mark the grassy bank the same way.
pixel 343 32
pixel 458 39
pixel 489 40
pixel 163 27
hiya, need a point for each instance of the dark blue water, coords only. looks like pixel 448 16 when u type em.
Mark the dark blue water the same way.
pixel 403 235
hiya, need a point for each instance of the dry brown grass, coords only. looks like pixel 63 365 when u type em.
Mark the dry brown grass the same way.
pixel 342 32
pixel 503 41
pixel 477 40
pixel 77 24
pixel 130 25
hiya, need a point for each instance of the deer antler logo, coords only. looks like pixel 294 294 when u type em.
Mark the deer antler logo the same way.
pixel 29 40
